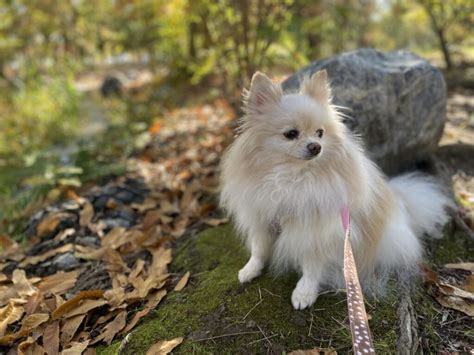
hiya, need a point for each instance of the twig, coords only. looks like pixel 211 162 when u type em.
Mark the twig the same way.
pixel 259 340
pixel 265 336
pixel 271 293
pixel 310 324
pixel 256 305
pixel 226 335
pixel 251 309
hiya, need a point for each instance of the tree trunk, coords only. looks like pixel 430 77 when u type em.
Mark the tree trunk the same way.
pixel 444 48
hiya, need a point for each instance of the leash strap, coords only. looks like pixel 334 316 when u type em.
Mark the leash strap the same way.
pixel 361 338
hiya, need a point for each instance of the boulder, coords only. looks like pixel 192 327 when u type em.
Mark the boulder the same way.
pixel 395 101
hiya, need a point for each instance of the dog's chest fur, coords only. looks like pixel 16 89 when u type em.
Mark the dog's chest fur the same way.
pixel 299 195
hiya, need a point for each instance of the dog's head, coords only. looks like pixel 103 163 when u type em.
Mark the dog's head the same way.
pixel 298 127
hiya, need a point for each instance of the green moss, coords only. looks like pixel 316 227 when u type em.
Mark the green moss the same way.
pixel 453 247
pixel 253 318
pixel 110 350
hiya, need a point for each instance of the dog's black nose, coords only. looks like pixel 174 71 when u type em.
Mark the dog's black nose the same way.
pixel 314 148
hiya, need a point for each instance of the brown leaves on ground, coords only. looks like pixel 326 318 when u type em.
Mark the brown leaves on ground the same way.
pixel 34 314
pixel 7 245
pixel 183 282
pixel 164 347
pixel 50 313
pixel 450 292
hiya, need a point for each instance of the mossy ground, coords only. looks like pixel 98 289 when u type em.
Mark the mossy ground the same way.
pixel 217 315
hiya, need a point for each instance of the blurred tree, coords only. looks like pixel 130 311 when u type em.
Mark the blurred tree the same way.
pixel 231 38
pixel 444 17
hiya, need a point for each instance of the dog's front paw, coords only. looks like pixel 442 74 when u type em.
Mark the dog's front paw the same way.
pixel 304 295
pixel 250 271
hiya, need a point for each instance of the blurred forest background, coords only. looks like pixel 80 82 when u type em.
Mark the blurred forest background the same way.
pixel 83 84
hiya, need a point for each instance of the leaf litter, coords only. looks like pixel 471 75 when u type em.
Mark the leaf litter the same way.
pixel 97 263
pixel 453 287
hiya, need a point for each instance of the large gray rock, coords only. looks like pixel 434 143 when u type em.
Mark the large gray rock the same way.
pixel 396 101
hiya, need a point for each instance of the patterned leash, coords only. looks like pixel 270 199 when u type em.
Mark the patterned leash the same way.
pixel 361 338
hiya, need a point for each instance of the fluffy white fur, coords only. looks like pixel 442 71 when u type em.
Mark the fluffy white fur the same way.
pixel 286 201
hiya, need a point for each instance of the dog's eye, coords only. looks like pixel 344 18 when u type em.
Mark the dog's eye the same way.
pixel 291 134
pixel 320 132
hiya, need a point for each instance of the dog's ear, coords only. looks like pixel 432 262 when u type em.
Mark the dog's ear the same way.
pixel 317 86
pixel 262 94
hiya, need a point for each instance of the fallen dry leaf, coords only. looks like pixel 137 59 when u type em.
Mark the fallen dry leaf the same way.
pixel 22 284
pixel 86 214
pixel 9 314
pixel 33 303
pixel 155 127
pixel 75 348
pixel 156 277
pixel 22 287
pixel 118 279
pixel 457 303
pixel 48 224
pixel 147 204
pixel 429 275
pixel 137 270
pixel 111 329
pixel 468 284
pixel 451 290
pixel 51 338
pixel 33 260
pixel 64 234
pixel 153 301
pixel 114 238
pixel 182 283
pixel 151 218
pixel 105 318
pixel 28 323
pixel 59 282
pixel 69 327
pixel 7 245
pixel 25 347
pixel 88 253
pixel 161 258
pixel 85 306
pixel 115 297
pixel 72 195
pixel 164 347
pixel 462 266
pixel 74 303
pixel 114 260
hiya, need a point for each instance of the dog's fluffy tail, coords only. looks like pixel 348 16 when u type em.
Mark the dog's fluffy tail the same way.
pixel 424 201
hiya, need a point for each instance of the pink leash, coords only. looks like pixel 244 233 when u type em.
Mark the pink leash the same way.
pixel 361 338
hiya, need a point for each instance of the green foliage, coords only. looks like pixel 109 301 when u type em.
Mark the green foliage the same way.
pixel 450 21
pixel 39 114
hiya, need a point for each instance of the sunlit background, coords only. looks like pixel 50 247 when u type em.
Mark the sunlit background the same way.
pixel 85 83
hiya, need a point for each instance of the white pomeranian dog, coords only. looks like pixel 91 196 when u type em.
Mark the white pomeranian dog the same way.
pixel 288 174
